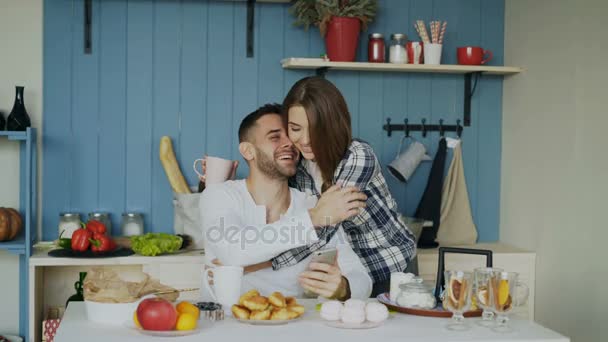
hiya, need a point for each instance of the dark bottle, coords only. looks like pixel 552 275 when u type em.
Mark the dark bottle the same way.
pixel 18 120
pixel 2 121
pixel 78 296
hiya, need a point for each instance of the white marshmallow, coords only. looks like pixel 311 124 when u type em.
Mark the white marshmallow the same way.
pixel 376 312
pixel 331 311
pixel 353 315
pixel 355 303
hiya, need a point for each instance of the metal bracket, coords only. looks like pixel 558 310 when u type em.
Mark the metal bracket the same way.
pixel 322 71
pixel 250 26
pixel 88 18
pixel 468 94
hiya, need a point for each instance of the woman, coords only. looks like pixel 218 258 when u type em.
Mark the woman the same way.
pixel 318 123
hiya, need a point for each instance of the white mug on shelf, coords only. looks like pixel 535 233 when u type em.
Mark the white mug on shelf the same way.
pixel 432 53
pixel 226 288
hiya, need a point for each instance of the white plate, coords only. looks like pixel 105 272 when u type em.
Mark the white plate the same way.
pixel 172 333
pixel 364 325
pixel 268 322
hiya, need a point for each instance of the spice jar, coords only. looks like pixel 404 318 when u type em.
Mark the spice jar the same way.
pixel 103 218
pixel 68 224
pixel 132 224
pixel 375 48
pixel 397 52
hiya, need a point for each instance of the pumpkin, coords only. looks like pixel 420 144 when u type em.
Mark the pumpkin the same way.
pixel 10 224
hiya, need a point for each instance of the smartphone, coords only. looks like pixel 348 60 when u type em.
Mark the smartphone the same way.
pixel 325 256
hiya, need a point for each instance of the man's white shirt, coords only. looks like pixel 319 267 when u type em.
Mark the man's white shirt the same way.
pixel 235 232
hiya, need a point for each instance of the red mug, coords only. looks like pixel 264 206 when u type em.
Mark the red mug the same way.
pixel 473 55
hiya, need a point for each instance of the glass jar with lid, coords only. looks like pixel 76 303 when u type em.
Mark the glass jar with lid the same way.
pixel 132 224
pixel 103 218
pixel 397 51
pixel 68 224
pixel 416 295
pixel 376 49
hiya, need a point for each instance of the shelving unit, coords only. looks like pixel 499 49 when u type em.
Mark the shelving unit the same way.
pixel 22 245
pixel 322 66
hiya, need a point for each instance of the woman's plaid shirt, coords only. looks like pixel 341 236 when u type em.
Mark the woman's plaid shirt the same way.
pixel 377 235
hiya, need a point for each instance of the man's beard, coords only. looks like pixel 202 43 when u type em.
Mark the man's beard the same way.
pixel 270 167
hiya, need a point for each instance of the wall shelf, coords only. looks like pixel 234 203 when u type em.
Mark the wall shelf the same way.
pixel 321 67
pixel 22 245
pixel 320 64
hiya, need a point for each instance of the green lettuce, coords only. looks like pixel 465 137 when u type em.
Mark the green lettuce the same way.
pixel 152 244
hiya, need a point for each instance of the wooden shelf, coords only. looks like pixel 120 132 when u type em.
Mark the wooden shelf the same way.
pixel 317 63
pixel 40 257
pixel 14 135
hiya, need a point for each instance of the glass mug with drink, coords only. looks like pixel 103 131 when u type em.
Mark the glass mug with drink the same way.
pixel 481 292
pixel 506 292
pixel 457 297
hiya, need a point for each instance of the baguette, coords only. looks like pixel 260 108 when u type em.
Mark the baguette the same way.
pixel 174 174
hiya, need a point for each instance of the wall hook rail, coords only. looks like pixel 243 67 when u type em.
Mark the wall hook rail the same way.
pixel 423 127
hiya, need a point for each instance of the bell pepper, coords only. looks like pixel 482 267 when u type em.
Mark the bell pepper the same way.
pixel 96 227
pixel 80 240
pixel 102 243
pixel 65 243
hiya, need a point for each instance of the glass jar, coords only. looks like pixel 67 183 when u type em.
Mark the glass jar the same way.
pixel 375 48
pixel 103 218
pixel 132 224
pixel 397 52
pixel 68 224
pixel 416 295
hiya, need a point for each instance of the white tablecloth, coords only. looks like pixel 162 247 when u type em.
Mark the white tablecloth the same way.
pixel 311 328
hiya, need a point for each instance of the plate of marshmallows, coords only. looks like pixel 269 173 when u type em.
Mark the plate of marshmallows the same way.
pixel 353 314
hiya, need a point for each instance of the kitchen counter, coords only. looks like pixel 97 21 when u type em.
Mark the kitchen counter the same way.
pixel 399 327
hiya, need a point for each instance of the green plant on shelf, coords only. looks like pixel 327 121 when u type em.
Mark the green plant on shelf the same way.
pixel 319 12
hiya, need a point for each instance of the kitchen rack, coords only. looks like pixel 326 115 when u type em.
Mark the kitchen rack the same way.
pixel 322 66
pixel 22 245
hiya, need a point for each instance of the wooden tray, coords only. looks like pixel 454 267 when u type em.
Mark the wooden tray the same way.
pixel 438 311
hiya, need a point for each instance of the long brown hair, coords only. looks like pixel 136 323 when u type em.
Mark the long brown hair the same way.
pixel 328 121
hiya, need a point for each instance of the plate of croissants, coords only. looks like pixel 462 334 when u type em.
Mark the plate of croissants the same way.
pixel 275 309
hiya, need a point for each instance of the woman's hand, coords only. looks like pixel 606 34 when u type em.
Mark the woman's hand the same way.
pixel 203 178
pixel 325 280
pixel 336 205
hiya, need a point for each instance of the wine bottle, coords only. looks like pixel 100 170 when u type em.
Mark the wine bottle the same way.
pixel 2 121
pixel 18 120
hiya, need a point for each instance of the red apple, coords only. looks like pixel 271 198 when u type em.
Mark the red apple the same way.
pixel 156 314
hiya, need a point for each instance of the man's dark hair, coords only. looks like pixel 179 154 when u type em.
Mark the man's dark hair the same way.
pixel 250 120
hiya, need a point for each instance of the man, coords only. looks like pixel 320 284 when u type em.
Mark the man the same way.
pixel 250 221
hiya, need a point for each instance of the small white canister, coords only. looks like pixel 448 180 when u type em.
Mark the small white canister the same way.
pixel 68 224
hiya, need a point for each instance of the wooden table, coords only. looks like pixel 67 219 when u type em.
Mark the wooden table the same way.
pixel 399 327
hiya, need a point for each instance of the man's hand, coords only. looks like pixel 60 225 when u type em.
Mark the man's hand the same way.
pixel 325 280
pixel 336 205
pixel 250 268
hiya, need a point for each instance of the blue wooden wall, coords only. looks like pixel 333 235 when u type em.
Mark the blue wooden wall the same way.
pixel 179 68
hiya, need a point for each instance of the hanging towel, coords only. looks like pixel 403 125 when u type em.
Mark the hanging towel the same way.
pixel 457 226
pixel 429 207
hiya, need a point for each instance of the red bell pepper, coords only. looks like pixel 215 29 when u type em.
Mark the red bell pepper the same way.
pixel 102 243
pixel 96 227
pixel 80 240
